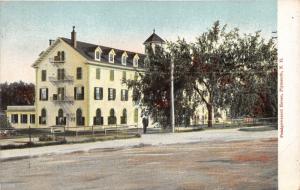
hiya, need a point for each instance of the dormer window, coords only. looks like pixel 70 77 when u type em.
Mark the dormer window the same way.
pixel 136 61
pixel 98 54
pixel 111 56
pixel 124 58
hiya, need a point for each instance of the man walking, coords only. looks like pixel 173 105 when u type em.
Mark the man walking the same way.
pixel 145 124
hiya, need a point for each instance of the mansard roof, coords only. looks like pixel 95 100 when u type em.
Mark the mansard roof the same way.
pixel 88 51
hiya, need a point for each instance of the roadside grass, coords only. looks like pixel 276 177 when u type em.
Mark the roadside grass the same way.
pixel 240 127
pixel 188 130
pixel 80 139
pixel 264 128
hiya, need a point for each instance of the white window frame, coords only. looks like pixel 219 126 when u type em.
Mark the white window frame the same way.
pixel 97 55
pixel 79 93
pixel 111 56
pixel 98 50
pixel 136 61
pixel 124 95
pixel 124 58
pixel 14 119
pixel 22 118
pixel 43 93
pixel 98 93
pixel 111 94
pixel 32 118
pixel 97 89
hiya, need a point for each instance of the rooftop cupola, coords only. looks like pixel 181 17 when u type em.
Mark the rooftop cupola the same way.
pixel 153 41
pixel 73 38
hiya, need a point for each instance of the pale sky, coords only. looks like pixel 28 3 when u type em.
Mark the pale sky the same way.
pixel 26 27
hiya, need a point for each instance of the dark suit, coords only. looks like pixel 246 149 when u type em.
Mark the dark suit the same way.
pixel 145 124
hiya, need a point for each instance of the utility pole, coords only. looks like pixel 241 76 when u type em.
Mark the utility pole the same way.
pixel 274 34
pixel 172 96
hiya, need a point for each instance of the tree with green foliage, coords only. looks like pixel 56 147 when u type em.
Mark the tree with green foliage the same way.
pixel 16 93
pixel 230 71
pixel 221 70
pixel 152 91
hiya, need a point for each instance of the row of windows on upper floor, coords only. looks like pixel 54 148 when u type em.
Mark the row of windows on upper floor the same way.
pixel 97 119
pixel 60 57
pixel 79 94
pixel 111 57
pixel 61 74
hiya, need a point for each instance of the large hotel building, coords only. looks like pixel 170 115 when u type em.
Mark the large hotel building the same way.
pixel 80 84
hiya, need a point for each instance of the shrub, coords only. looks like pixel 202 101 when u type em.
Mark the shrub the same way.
pixel 45 138
pixel 4 123
pixel 29 144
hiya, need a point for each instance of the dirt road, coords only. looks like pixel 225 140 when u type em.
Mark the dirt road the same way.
pixel 218 165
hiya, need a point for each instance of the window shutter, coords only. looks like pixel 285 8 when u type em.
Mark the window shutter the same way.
pixel 79 73
pixel 97 73
pixel 63 74
pixel 58 74
pixel 44 75
pixel 40 93
pixel 94 93
pixel 74 93
pixel 46 93
pixel 82 91
pixel 121 95
pixel 126 95
pixel 112 75
pixel 62 55
pixel 101 93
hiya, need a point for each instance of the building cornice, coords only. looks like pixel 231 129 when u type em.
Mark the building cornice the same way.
pixel 113 66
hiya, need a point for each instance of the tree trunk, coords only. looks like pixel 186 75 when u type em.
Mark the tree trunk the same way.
pixel 209 110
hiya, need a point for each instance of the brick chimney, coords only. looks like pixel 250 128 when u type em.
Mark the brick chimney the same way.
pixel 73 38
pixel 51 42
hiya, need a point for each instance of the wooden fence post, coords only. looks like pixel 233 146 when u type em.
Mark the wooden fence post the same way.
pixel 93 130
pixel 29 133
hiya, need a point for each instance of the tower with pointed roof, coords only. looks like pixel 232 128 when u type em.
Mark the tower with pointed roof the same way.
pixel 153 40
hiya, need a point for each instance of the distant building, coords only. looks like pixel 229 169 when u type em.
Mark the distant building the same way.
pixel 21 116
